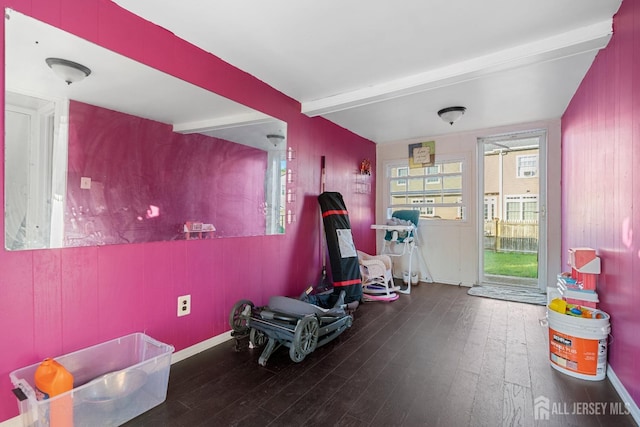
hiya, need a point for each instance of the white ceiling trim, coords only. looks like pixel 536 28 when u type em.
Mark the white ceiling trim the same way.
pixel 577 41
pixel 251 118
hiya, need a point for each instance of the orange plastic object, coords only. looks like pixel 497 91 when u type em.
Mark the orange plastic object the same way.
pixel 52 379
pixel 586 313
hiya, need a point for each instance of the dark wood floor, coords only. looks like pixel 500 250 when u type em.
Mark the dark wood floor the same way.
pixel 435 357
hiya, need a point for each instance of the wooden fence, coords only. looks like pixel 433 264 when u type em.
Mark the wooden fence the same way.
pixel 511 236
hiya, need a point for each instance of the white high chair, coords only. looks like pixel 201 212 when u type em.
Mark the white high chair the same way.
pixel 400 238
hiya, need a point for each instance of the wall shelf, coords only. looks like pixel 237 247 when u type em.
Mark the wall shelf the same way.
pixel 362 183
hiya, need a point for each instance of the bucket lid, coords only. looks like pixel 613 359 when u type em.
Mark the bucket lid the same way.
pixel 582 295
pixel 586 322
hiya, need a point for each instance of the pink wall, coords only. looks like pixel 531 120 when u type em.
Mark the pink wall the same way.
pixel 601 184
pixel 138 165
pixel 57 301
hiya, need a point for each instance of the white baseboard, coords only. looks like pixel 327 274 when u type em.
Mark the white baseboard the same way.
pixel 175 358
pixel 461 284
pixel 12 422
pixel 624 394
pixel 197 348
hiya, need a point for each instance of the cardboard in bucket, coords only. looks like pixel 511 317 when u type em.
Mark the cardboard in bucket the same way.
pixel 578 345
pixel 585 267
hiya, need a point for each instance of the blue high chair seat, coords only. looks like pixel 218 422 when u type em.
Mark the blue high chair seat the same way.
pixel 402 217
pixel 398 242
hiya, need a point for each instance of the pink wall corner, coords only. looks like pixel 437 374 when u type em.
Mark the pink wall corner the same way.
pixel 61 300
pixel 601 185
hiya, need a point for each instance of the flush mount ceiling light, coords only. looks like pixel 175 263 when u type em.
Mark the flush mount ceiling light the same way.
pixel 275 139
pixel 451 114
pixel 69 71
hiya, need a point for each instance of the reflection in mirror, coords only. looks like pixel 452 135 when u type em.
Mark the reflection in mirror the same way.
pixel 129 154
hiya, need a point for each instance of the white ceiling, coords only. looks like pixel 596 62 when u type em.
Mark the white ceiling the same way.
pixel 383 69
pixel 155 95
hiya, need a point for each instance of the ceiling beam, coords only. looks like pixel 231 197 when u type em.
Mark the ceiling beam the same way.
pixel 580 40
pixel 250 118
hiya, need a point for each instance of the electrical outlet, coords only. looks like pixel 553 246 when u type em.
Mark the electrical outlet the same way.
pixel 85 183
pixel 184 305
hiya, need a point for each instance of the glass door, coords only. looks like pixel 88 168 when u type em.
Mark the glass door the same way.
pixel 512 248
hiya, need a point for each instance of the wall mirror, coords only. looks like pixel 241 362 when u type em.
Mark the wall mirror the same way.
pixel 129 154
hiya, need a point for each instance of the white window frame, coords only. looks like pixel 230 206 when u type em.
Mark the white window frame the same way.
pixel 429 211
pixel 523 167
pixel 521 199
pixel 435 179
pixel 406 173
pixel 461 205
pixel 490 207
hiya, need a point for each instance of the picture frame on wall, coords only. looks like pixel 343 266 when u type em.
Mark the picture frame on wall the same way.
pixel 422 154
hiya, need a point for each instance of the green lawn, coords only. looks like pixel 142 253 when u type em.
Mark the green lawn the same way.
pixel 511 264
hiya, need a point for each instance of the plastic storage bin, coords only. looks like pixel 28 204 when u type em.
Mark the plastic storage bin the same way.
pixel 113 382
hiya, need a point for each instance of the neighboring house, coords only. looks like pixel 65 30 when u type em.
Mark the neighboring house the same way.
pixel 436 190
pixel 511 182
pixel 511 199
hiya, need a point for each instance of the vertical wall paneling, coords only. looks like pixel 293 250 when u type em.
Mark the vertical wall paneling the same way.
pixel 634 256
pixel 79 297
pixel 86 28
pixel 200 282
pixel 160 289
pixel 47 303
pixel 17 312
pixel 67 299
pixel 120 294
pixel 49 10
pixel 601 187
